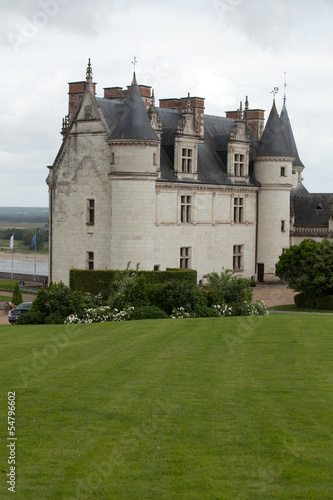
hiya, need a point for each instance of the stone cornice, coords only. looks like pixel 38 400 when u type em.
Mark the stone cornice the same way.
pixel 202 187
pixel 133 142
pixel 311 231
pixel 140 175
pixel 279 159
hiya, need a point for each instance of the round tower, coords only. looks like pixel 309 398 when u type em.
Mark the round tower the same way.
pixel 273 169
pixel 134 149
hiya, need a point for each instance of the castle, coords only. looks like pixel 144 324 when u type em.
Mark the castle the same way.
pixel 170 186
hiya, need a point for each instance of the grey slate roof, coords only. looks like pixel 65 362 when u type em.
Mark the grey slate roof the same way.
pixel 288 133
pixel 134 122
pixel 311 209
pixel 273 142
pixel 129 120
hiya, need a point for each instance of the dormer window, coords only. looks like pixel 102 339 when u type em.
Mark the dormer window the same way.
pixel 239 165
pixel 187 158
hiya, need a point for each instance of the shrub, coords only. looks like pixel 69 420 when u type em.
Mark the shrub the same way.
pixel 180 313
pixel 148 312
pixel 175 294
pixel 99 315
pixel 226 288
pixel 53 305
pixel 17 295
pixel 325 302
pixel 100 282
pixel 128 288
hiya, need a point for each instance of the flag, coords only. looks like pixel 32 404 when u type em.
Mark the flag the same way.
pixel 11 241
pixel 33 244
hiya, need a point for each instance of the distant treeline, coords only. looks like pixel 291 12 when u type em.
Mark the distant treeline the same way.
pixel 16 215
pixel 19 220
pixel 25 235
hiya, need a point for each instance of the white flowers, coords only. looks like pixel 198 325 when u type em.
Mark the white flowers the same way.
pixel 180 313
pixel 100 315
pixel 223 310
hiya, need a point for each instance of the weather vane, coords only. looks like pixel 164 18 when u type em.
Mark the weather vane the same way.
pixel 275 91
pixel 134 62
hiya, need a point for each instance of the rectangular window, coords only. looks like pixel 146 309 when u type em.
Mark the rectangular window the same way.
pixel 238 210
pixel 91 212
pixel 239 165
pixel 185 258
pixel 157 267
pixel 187 156
pixel 283 226
pixel 283 171
pixel 185 209
pixel 237 257
pixel 90 260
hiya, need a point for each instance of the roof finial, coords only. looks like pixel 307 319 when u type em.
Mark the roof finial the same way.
pixel 285 87
pixel 89 72
pixel 134 63
pixel 153 98
pixel 274 92
pixel 246 103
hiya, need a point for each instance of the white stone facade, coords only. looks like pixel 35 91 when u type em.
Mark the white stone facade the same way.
pixel 208 204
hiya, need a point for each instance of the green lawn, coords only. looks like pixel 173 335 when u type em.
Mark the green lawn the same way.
pixel 7 285
pixel 195 409
pixel 294 308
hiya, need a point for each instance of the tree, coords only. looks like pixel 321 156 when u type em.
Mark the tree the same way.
pixel 17 295
pixel 308 268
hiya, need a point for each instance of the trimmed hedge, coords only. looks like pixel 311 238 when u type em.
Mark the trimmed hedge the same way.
pixel 99 282
pixel 324 302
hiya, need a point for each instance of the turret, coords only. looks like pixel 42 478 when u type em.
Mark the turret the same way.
pixel 134 165
pixel 298 166
pixel 273 169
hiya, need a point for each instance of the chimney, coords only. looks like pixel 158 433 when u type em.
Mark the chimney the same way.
pixel 76 93
pixel 198 105
pixel 120 94
pixel 255 119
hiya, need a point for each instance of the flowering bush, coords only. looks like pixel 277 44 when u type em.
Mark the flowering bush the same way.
pixel 244 308
pixel 223 310
pixel 180 313
pixel 100 315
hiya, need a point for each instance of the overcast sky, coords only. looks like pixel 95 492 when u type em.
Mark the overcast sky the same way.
pixel 222 50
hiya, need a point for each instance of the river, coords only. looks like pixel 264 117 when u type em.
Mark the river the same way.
pixel 24 267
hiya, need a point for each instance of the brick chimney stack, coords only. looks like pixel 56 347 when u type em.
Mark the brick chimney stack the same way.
pixel 198 105
pixel 76 93
pixel 120 94
pixel 255 119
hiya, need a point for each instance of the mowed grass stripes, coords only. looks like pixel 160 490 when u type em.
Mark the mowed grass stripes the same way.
pixel 220 408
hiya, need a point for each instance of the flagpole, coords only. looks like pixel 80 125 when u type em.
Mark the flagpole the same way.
pixel 35 255
pixel 13 261
pixel 12 247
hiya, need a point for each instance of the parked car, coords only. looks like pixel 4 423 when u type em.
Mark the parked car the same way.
pixel 20 309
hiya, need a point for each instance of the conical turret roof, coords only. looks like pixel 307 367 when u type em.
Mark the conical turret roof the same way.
pixel 134 122
pixel 288 133
pixel 273 141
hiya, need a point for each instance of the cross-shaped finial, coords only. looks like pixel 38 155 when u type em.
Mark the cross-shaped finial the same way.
pixel 134 62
